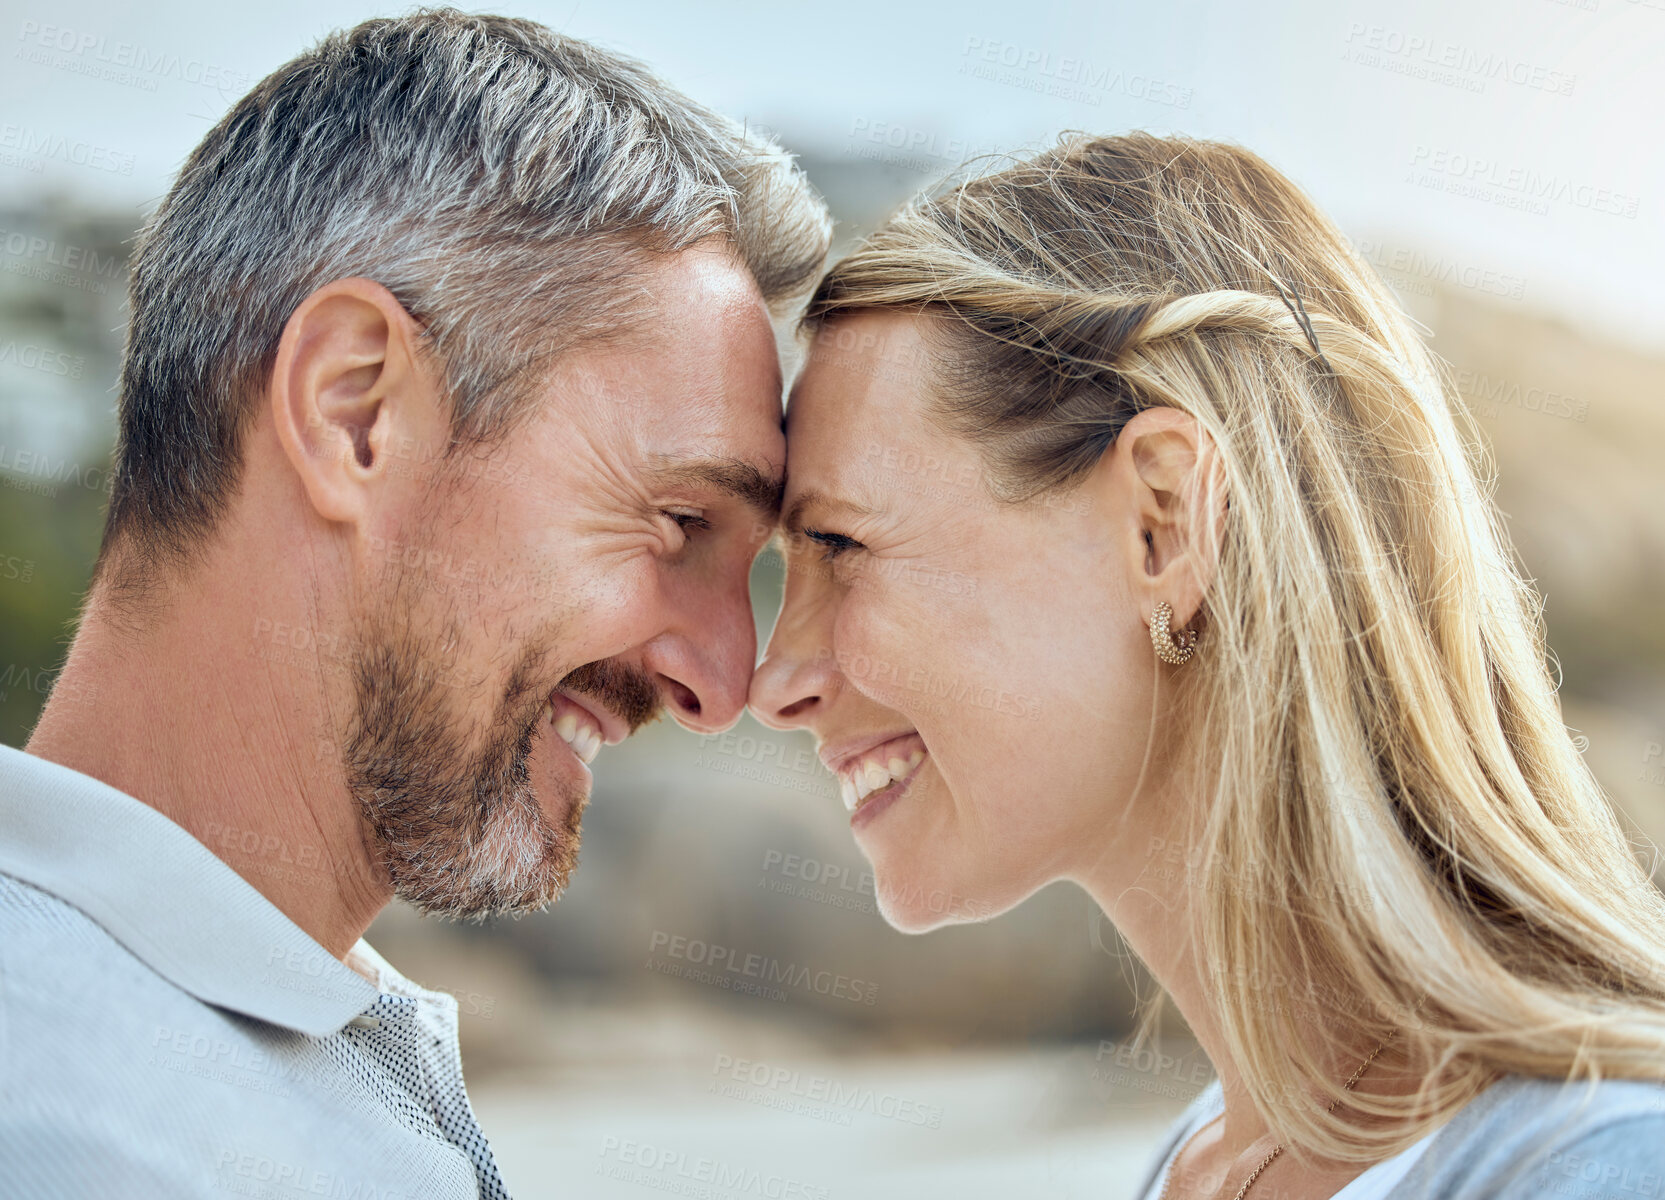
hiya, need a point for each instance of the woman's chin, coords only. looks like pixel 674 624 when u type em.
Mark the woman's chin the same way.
pixel 910 906
pixel 916 893
pixel 907 919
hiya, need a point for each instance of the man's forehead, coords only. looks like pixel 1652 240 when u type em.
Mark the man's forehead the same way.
pixel 715 391
pixel 698 289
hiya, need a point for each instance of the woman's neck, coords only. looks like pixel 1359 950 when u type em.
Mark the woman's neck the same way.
pixel 1146 885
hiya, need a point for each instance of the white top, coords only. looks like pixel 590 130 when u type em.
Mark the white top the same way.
pixel 165 1031
pixel 1375 1183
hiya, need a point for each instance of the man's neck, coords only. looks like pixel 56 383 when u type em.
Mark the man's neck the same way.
pixel 219 722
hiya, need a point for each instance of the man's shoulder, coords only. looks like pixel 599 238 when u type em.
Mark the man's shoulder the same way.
pixel 81 1026
pixel 70 993
pixel 44 938
pixel 116 1081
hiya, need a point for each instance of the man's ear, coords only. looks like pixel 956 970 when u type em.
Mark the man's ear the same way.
pixel 1166 490
pixel 348 367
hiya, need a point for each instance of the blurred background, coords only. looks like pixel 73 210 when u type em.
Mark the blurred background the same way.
pixel 1498 162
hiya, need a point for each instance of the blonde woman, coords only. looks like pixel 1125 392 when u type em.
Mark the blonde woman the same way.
pixel 1136 541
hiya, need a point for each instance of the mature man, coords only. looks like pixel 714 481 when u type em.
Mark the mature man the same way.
pixel 450 425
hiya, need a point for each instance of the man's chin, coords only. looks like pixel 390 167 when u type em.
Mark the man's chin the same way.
pixel 520 861
pixel 516 867
pixel 463 830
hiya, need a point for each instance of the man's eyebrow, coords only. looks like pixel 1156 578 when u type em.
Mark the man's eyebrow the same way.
pixel 793 522
pixel 753 487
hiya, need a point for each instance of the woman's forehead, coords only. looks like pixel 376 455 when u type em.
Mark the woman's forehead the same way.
pixel 864 371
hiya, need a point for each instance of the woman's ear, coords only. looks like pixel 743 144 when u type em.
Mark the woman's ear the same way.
pixel 1165 486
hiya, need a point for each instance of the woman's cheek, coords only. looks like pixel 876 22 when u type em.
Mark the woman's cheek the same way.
pixel 870 648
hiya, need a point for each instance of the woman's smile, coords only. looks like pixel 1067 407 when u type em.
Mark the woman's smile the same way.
pixel 873 773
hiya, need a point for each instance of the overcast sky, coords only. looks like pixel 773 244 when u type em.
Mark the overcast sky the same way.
pixel 1513 144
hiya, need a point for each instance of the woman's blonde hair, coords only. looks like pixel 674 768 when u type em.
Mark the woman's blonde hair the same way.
pixel 1400 824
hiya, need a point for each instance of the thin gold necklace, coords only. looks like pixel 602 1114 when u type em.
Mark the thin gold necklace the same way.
pixel 1277 1149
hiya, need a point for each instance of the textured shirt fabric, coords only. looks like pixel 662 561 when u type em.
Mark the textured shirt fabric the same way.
pixel 1520 1139
pixel 165 1031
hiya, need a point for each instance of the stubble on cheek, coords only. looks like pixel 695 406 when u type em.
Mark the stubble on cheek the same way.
pixel 456 827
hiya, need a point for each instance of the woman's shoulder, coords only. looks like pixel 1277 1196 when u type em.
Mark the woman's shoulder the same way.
pixel 1525 1137
pixel 1521 1137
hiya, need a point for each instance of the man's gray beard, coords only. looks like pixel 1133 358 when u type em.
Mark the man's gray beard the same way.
pixel 458 832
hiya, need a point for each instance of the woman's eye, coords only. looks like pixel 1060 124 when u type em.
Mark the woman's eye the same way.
pixel 832 544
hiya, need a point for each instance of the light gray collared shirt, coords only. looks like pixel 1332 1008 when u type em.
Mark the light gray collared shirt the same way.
pixel 165 1031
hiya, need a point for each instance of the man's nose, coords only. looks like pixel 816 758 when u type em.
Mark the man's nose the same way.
pixel 703 666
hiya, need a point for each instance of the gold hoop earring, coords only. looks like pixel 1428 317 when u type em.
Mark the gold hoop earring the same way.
pixel 1170 649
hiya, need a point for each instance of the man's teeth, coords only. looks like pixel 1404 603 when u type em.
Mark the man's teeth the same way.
pixel 581 735
pixel 869 777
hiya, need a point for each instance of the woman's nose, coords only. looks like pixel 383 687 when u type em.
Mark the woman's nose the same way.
pixel 792 685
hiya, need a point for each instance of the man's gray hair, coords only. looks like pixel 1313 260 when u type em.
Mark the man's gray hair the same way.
pixel 501 180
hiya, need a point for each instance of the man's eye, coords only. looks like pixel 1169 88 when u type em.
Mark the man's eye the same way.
pixel 686 521
pixel 832 544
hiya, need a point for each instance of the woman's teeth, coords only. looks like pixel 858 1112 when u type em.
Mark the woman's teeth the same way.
pixel 577 731
pixel 862 779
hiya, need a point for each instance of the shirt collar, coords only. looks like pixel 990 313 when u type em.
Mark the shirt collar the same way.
pixel 169 899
